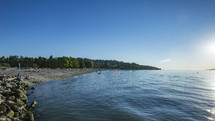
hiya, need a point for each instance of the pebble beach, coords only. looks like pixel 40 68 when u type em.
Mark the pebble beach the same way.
pixel 14 83
pixel 35 76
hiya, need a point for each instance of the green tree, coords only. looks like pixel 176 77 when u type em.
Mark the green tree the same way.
pixel 50 62
pixel 2 59
pixel 89 64
pixel 41 62
pixel 81 63
pixel 14 61
pixel 4 65
pixel 63 62
pixel 74 63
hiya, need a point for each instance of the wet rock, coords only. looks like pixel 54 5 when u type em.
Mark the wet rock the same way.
pixel 15 85
pixel 15 108
pixel 20 102
pixel 33 105
pixel 27 85
pixel 19 109
pixel 10 113
pixel 4 118
pixel 16 114
pixel 2 98
pixel 33 88
pixel 1 87
pixel 36 116
pixel 25 99
pixel 8 85
pixel 29 116
pixel 3 108
pixel 3 83
pixel 16 119
pixel 10 103
pixel 22 115
pixel 11 98
pixel 20 93
pixel 13 101
pixel 22 96
pixel 6 91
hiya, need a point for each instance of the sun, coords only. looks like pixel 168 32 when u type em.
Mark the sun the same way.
pixel 210 48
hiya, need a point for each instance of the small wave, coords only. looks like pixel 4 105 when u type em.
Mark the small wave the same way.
pixel 125 95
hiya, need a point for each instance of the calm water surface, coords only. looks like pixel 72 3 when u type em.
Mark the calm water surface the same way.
pixel 128 96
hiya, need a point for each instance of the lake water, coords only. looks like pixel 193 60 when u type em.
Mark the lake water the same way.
pixel 128 96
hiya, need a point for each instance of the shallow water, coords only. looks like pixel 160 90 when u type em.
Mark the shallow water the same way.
pixel 128 96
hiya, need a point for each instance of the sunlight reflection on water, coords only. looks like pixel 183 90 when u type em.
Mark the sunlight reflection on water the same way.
pixel 128 95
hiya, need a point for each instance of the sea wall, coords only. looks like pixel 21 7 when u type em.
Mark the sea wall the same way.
pixel 14 100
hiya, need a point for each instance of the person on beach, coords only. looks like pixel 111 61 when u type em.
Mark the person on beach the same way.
pixel 27 77
pixel 2 76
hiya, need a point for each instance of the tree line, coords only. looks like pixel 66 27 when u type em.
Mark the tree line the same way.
pixel 42 62
pixel 113 64
pixel 68 62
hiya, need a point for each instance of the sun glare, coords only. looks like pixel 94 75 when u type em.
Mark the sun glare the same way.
pixel 210 48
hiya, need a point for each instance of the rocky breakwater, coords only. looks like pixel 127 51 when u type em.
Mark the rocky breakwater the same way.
pixel 14 100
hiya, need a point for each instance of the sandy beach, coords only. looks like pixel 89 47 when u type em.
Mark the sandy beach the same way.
pixel 44 75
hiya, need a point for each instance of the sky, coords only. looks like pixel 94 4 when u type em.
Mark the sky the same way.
pixel 170 34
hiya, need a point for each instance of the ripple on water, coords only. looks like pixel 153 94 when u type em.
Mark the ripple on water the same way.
pixel 128 95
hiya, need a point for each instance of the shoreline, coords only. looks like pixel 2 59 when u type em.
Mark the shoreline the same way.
pixel 13 91
pixel 35 76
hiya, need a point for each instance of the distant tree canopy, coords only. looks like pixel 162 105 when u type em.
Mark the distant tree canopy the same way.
pixel 68 62
pixel 113 64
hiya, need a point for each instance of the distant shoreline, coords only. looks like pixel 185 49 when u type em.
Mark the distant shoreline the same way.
pixel 211 69
pixel 45 75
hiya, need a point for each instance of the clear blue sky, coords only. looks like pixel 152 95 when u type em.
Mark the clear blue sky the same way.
pixel 171 34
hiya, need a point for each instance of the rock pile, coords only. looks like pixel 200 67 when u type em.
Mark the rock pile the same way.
pixel 13 101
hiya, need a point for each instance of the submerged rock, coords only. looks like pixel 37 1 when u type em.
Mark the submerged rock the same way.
pixel 33 88
pixel 33 105
pixel 36 116
pixel 29 116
